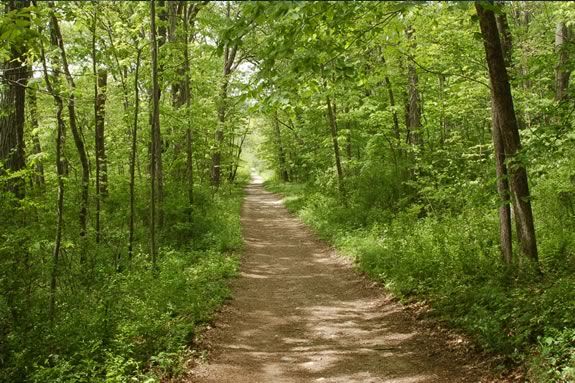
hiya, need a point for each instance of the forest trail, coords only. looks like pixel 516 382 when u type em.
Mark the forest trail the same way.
pixel 299 313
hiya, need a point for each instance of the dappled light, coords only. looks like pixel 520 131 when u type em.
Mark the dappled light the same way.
pixel 299 313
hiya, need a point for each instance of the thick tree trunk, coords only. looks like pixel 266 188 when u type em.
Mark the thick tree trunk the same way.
pixel 505 238
pixel 503 106
pixel 155 134
pixel 15 75
pixel 332 120
pixel 506 38
pixel 562 73
pixel 505 224
pixel 78 140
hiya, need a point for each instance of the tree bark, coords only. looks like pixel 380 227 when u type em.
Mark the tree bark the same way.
pixel 391 97
pixel 414 100
pixel 506 38
pixel 60 173
pixel 229 58
pixel 284 175
pixel 503 106
pixel 78 140
pixel 100 83
pixel 133 157
pixel 155 133
pixel 505 234
pixel 562 73
pixel 15 75
pixel 505 224
pixel 39 178
pixel 332 120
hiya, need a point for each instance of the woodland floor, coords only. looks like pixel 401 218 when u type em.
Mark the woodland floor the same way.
pixel 300 313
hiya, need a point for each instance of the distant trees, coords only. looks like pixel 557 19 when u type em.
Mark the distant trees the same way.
pixel 75 81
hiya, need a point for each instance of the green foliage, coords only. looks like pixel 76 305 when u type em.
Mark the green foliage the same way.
pixel 123 324
pixel 116 318
pixel 453 262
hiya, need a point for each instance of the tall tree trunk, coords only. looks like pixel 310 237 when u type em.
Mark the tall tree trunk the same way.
pixel 332 120
pixel 414 100
pixel 184 97
pixel 100 83
pixel 78 140
pixel 155 130
pixel 505 238
pixel 60 173
pixel 133 156
pixel 229 58
pixel 101 159
pixel 284 175
pixel 33 113
pixel 12 102
pixel 505 224
pixel 506 38
pixel 503 106
pixel 562 73
pixel 391 97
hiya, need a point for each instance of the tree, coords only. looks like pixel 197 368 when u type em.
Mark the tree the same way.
pixel 230 52
pixel 507 121
pixel 78 139
pixel 15 75
pixel 155 134
pixel 413 105
pixel 562 72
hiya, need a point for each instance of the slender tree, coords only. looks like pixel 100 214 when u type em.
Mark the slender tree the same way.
pixel 78 140
pixel 37 147
pixel 155 133
pixel 562 72
pixel 332 122
pixel 52 84
pixel 507 121
pixel 100 83
pixel 230 51
pixel 133 151
pixel 284 175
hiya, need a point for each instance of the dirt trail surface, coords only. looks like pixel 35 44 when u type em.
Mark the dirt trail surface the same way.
pixel 300 313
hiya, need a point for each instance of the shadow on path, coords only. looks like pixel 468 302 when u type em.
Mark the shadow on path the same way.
pixel 301 314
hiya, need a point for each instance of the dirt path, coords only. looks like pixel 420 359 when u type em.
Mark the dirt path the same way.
pixel 301 314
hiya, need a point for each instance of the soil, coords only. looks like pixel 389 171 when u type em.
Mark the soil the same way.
pixel 301 313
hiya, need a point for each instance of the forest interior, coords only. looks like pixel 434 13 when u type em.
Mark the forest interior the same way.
pixel 431 144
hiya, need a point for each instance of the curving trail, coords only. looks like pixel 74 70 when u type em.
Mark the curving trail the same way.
pixel 301 314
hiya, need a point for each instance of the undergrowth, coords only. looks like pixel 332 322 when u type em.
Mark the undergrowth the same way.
pixel 452 261
pixel 135 323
